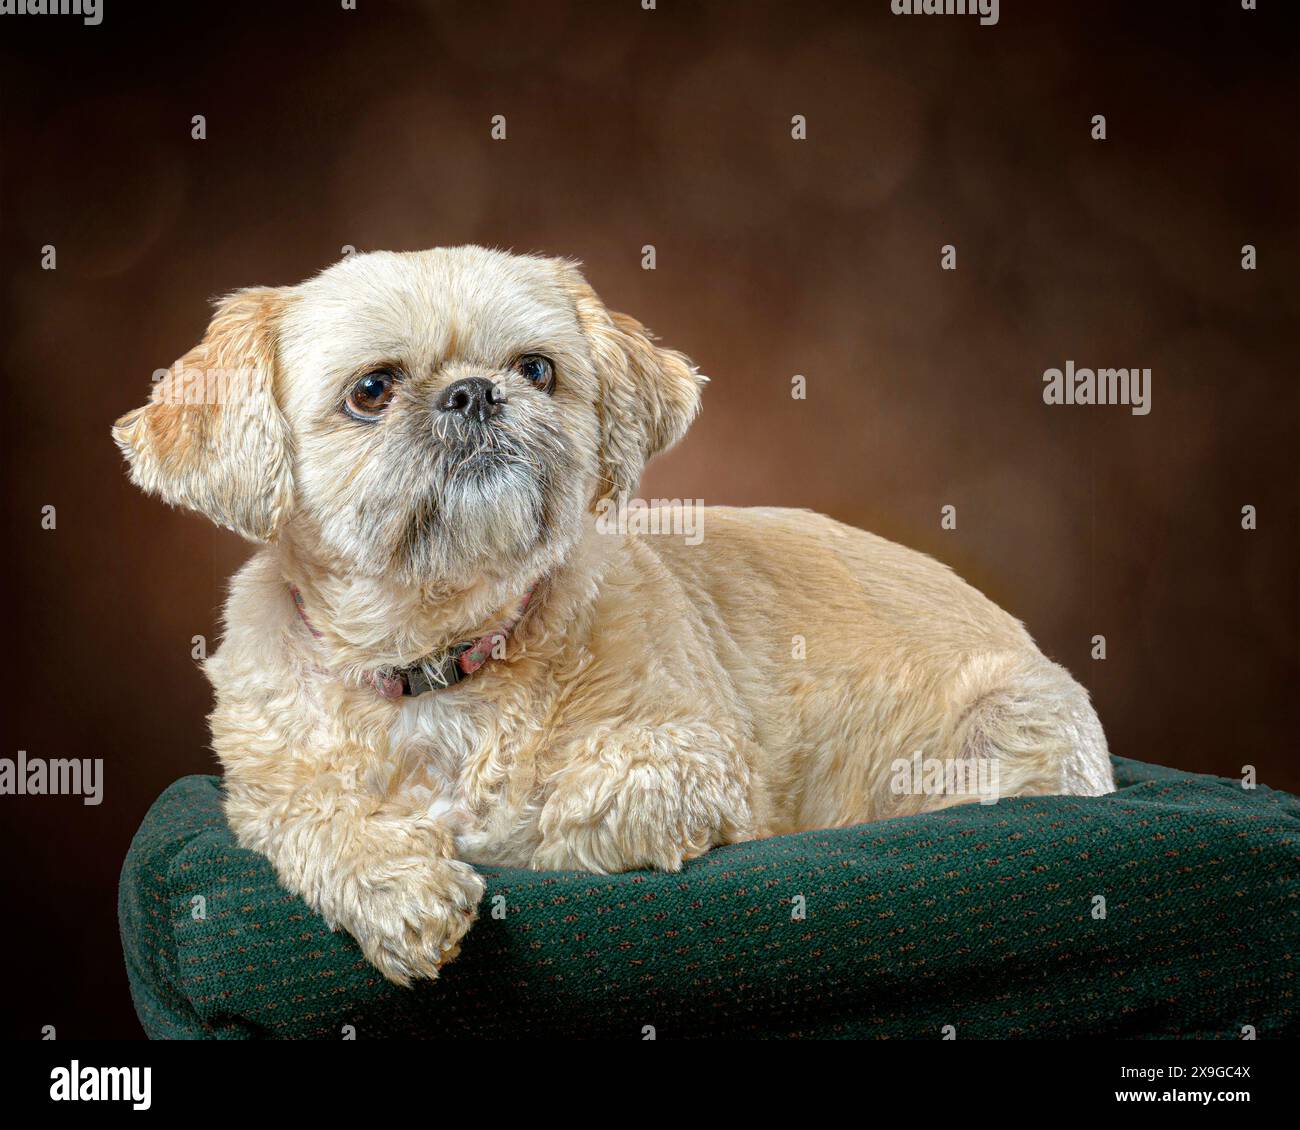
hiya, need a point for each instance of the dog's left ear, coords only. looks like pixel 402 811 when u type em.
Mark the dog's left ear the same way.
pixel 212 437
pixel 648 395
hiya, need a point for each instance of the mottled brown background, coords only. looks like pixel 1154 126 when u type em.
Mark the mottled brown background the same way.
pixel 672 127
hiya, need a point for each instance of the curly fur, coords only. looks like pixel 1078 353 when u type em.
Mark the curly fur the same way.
pixel 652 703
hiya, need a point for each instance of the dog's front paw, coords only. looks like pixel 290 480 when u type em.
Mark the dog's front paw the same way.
pixel 644 798
pixel 410 923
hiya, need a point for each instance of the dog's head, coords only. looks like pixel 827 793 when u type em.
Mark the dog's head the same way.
pixel 430 416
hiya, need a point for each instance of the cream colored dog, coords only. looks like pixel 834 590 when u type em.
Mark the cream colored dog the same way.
pixel 439 659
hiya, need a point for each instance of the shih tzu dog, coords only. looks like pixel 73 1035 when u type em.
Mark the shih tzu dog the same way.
pixel 439 658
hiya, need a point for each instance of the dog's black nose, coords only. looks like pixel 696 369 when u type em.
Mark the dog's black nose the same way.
pixel 473 397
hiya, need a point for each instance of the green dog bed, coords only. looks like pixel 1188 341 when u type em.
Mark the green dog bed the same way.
pixel 1167 909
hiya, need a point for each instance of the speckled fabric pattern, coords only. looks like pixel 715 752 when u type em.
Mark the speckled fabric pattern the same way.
pixel 987 919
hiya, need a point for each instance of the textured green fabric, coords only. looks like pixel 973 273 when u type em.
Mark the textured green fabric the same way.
pixel 978 917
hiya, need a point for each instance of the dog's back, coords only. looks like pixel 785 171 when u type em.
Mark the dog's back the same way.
pixel 853 654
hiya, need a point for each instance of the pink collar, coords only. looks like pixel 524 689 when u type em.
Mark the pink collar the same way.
pixel 434 672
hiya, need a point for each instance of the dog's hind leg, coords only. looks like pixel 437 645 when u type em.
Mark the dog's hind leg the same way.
pixel 1024 725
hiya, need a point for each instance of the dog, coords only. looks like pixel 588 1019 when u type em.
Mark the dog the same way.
pixel 438 658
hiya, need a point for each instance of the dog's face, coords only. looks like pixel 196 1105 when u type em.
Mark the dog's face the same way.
pixel 430 417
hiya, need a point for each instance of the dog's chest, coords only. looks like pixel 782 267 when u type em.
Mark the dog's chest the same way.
pixel 480 761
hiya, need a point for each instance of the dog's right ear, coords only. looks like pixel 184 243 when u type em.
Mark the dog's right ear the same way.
pixel 212 437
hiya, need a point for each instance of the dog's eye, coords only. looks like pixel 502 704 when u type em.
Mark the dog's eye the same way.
pixel 537 369
pixel 370 395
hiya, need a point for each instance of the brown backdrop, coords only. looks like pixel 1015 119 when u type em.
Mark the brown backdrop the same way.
pixel 672 127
